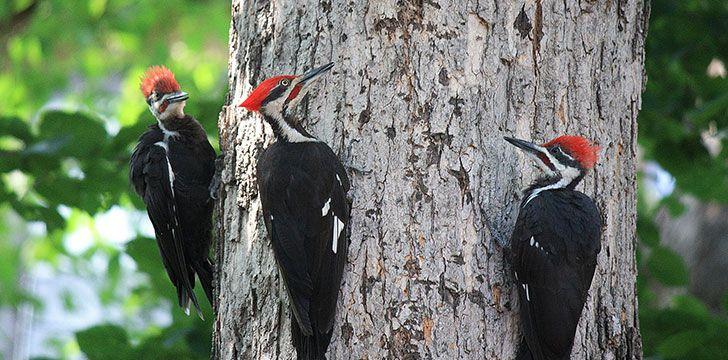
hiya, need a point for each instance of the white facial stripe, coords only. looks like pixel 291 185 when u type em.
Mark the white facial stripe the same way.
pixel 568 174
pixel 291 134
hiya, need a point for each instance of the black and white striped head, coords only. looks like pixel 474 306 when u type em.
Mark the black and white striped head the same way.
pixel 163 94
pixel 565 157
pixel 277 96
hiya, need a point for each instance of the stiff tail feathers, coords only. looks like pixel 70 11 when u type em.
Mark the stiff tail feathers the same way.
pixel 204 273
pixel 186 296
pixel 309 347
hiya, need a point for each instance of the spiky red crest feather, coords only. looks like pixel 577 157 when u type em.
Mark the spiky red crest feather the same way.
pixel 578 147
pixel 255 99
pixel 158 78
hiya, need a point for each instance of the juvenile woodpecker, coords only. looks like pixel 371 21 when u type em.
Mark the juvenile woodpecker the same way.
pixel 303 188
pixel 554 246
pixel 171 169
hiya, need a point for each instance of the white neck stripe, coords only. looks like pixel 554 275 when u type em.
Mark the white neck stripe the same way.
pixel 291 134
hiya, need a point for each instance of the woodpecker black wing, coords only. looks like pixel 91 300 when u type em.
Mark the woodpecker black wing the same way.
pixel 554 249
pixel 303 192
pixel 193 162
pixel 153 178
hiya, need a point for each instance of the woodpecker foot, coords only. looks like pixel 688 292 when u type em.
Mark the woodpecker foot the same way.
pixel 217 178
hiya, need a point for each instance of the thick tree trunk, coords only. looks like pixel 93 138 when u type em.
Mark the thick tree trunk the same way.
pixel 417 105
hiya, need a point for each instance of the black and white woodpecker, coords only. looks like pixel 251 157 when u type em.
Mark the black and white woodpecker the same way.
pixel 303 188
pixel 554 246
pixel 171 169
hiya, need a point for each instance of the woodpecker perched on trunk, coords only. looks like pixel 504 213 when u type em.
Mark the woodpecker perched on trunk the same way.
pixel 303 188
pixel 554 246
pixel 171 169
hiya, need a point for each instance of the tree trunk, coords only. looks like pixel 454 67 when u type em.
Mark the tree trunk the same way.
pixel 417 105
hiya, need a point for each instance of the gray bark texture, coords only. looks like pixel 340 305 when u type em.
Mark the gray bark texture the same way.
pixel 416 107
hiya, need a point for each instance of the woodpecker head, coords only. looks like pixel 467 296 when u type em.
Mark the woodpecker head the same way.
pixel 163 94
pixel 278 95
pixel 566 157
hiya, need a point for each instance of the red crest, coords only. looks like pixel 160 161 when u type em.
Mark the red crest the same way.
pixel 578 147
pixel 158 78
pixel 255 99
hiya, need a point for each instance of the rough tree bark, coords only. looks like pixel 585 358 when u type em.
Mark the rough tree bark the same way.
pixel 417 104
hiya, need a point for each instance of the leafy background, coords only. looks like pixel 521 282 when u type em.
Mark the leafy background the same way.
pixel 77 258
pixel 93 288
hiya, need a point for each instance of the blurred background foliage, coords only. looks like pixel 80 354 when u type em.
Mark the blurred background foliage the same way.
pixel 79 267
pixel 682 128
pixel 80 274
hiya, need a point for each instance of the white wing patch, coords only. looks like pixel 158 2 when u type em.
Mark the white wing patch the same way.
pixel 535 244
pixel 338 228
pixel 325 209
pixel 338 225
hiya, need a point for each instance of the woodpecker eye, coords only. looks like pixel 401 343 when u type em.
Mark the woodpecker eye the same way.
pixel 285 82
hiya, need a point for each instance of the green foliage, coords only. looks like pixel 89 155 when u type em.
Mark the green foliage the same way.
pixel 71 113
pixel 681 103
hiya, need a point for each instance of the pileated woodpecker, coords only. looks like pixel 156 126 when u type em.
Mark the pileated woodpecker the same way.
pixel 303 188
pixel 554 246
pixel 171 169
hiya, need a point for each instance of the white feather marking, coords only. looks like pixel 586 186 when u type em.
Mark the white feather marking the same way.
pixel 325 209
pixel 290 133
pixel 164 146
pixel 336 233
pixel 537 245
pixel 167 133
pixel 568 174
pixel 338 179
pixel 516 273
pixel 531 242
pixel 528 296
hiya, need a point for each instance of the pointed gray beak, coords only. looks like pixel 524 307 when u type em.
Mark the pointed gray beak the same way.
pixel 525 145
pixel 314 74
pixel 177 97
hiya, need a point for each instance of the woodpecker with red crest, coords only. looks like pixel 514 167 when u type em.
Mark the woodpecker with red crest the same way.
pixel 303 188
pixel 554 246
pixel 171 169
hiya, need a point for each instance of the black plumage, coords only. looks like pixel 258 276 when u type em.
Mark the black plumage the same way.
pixel 303 189
pixel 554 251
pixel 171 169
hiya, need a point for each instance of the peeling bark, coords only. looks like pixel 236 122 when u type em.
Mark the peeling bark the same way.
pixel 417 105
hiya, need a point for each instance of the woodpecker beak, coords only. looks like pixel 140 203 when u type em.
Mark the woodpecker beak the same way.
pixel 177 97
pixel 312 75
pixel 537 152
pixel 526 146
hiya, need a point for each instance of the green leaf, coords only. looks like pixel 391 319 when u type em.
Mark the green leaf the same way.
pixel 15 127
pixel 647 232
pixel 680 344
pixel 667 267
pixel 82 136
pixel 105 342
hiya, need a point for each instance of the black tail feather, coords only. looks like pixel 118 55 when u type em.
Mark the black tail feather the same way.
pixel 309 347
pixel 204 272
